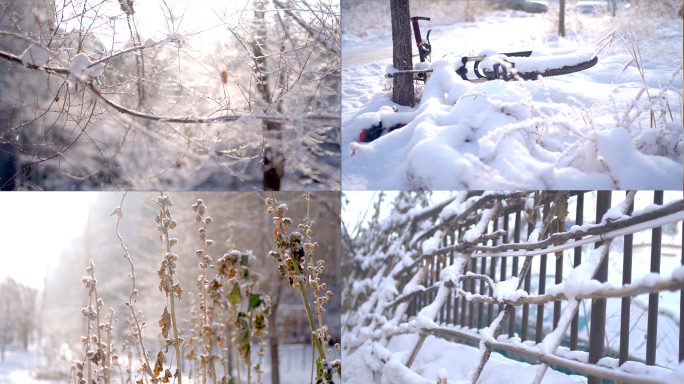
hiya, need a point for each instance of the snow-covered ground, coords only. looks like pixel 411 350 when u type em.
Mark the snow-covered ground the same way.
pixel 16 369
pixel 295 367
pixel 573 131
pixel 438 354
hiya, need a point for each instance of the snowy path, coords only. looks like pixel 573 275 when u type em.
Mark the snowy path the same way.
pixel 16 369
pixel 519 29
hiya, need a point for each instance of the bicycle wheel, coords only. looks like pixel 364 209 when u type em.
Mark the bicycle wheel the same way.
pixel 531 67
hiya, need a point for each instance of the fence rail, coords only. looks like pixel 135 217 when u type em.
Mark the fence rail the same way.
pixel 460 279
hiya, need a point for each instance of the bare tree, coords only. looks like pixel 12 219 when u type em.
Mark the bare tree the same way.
pixel 232 105
pixel 17 314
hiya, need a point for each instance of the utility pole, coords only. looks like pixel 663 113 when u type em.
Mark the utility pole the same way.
pixel 561 19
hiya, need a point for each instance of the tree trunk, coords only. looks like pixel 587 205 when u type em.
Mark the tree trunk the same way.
pixel 8 152
pixel 561 19
pixel 273 160
pixel 402 93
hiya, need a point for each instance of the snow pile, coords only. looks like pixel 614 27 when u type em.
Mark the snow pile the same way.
pixel 533 63
pixel 580 280
pixel 82 68
pixel 589 130
pixel 35 55
pixel 436 360
pixel 508 290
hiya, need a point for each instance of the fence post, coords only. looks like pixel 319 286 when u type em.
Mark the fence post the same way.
pixel 402 91
pixel 561 19
pixel 579 220
pixel 652 330
pixel 597 332
pixel 626 279
pixel 528 283
pixel 514 270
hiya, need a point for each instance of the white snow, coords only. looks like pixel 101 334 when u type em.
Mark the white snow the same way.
pixel 432 244
pixel 149 43
pixel 508 290
pixel 678 274
pixel 35 55
pixel 436 357
pixel 583 130
pixel 81 67
pixel 534 64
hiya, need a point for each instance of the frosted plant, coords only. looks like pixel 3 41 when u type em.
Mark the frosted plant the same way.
pixel 247 311
pixel 294 258
pixel 98 351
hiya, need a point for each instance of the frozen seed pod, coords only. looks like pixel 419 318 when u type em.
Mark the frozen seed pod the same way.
pixel 296 236
pixel 281 209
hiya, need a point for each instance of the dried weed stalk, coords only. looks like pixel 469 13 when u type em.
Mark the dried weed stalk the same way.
pixel 293 256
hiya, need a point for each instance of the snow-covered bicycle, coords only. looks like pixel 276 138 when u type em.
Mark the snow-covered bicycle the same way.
pixel 489 65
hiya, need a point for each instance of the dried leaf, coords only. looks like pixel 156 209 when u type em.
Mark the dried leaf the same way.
pixel 224 77
pixel 165 323
pixel 260 324
pixel 178 290
pixel 234 296
pixel 243 335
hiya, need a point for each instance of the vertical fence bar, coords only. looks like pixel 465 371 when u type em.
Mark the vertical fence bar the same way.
pixel 433 264
pixel 514 269
pixel 458 298
pixel 471 305
pixel 598 306
pixel 439 269
pixel 480 306
pixel 421 302
pixel 503 259
pixel 652 329
pixel 558 279
pixel 528 283
pixel 464 302
pixel 542 287
pixel 626 279
pixel 579 220
pixel 412 304
pixel 451 294
pixel 492 272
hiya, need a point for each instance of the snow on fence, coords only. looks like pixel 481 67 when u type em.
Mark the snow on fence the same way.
pixel 442 271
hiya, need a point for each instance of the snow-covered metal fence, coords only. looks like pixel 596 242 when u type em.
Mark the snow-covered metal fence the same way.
pixel 443 270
